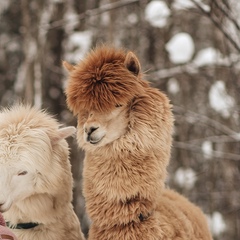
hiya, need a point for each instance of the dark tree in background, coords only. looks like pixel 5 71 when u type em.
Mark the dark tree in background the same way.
pixel 188 48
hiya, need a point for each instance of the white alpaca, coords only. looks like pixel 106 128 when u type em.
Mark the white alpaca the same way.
pixel 36 181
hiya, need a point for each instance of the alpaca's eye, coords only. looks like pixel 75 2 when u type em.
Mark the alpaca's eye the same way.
pixel 118 105
pixel 22 173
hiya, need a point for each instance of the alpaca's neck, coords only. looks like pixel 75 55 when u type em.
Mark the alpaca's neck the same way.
pixel 123 176
pixel 40 208
pixel 54 215
pixel 126 188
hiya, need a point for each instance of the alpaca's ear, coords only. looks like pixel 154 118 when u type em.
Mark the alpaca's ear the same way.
pixel 131 63
pixel 68 66
pixel 63 133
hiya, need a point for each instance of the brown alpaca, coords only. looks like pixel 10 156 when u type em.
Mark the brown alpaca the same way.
pixel 125 128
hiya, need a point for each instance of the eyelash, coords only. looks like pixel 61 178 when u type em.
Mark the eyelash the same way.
pixel 118 105
pixel 22 173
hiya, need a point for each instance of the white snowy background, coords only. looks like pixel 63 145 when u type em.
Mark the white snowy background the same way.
pixel 181 51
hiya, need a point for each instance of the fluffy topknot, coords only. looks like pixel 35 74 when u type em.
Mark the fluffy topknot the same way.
pixel 105 78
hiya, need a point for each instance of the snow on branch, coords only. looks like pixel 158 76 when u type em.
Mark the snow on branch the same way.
pixel 205 58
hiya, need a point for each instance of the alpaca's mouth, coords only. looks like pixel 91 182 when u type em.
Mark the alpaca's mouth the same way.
pixel 93 140
pixel 94 135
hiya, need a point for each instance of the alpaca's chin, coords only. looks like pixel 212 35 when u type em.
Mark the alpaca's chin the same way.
pixel 99 142
pixel 95 141
pixel 5 207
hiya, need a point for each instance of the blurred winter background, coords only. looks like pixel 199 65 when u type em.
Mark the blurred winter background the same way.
pixel 190 49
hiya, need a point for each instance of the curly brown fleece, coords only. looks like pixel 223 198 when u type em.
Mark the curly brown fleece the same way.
pixel 124 175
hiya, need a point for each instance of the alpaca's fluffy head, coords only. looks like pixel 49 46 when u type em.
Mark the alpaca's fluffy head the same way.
pixel 107 93
pixel 33 154
pixel 106 78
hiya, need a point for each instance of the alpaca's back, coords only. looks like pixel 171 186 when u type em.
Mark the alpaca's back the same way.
pixel 180 219
pixel 36 180
pixel 174 218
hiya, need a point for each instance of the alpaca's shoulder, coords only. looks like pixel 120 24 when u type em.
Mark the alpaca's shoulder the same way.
pixel 183 208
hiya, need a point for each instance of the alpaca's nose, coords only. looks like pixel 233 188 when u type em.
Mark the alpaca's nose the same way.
pixel 90 130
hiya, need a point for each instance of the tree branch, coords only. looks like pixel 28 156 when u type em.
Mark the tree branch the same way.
pixel 214 154
pixel 228 15
pixel 217 139
pixel 211 122
pixel 192 68
pixel 92 12
pixel 218 25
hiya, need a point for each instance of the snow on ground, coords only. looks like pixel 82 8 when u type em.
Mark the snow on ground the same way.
pixel 185 178
pixel 219 100
pixel 173 86
pixel 207 149
pixel 180 48
pixel 78 45
pixel 186 4
pixel 216 223
pixel 157 13
pixel 207 56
